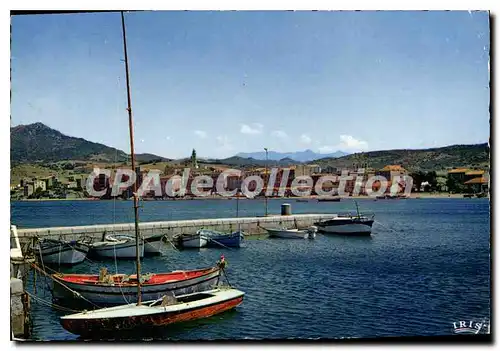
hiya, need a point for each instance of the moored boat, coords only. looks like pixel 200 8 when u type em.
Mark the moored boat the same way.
pixel 196 240
pixel 284 233
pixel 152 314
pixel 117 289
pixel 117 246
pixel 58 252
pixel 347 225
pixel 218 239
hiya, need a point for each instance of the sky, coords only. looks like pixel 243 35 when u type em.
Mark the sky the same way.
pixel 229 82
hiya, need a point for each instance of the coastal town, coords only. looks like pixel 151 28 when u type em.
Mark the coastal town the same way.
pixel 317 125
pixel 458 180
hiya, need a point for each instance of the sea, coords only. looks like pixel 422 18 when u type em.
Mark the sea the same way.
pixel 426 266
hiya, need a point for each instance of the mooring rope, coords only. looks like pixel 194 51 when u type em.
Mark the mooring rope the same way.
pixel 171 243
pixel 50 304
pixel 215 241
pixel 386 227
pixel 75 293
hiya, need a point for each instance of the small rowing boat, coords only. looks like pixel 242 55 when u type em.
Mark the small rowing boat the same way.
pixel 218 239
pixel 284 233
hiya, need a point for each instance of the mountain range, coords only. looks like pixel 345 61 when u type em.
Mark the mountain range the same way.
pixel 299 156
pixel 39 143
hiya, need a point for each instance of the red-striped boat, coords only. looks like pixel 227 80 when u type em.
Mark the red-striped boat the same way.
pixel 152 314
pixel 119 288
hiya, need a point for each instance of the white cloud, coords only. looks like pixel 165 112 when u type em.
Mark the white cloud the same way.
pixel 279 134
pixel 201 133
pixel 347 143
pixel 306 139
pixel 255 128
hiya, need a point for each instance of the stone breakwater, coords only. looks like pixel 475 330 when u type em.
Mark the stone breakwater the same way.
pixel 250 225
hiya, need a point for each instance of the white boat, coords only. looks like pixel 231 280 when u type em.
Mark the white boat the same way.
pixel 119 246
pixel 58 252
pixel 193 240
pixel 152 314
pixel 347 225
pixel 155 245
pixel 309 233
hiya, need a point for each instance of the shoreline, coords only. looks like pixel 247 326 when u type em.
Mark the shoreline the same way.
pixel 309 198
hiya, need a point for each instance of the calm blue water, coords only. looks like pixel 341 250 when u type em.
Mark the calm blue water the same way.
pixel 426 266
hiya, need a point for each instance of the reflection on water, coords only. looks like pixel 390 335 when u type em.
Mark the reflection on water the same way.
pixel 424 268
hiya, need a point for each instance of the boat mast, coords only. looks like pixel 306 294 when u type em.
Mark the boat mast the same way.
pixel 132 156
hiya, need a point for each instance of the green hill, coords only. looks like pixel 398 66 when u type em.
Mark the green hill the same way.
pixel 39 143
pixel 476 155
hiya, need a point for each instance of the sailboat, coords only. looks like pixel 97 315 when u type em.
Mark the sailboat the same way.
pixel 160 312
pixel 357 225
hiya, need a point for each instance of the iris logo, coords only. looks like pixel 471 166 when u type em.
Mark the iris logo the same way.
pixel 471 327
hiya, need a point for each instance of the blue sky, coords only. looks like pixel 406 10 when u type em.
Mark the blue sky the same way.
pixel 228 82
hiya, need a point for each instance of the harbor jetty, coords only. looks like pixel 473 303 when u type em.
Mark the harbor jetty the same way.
pixel 250 225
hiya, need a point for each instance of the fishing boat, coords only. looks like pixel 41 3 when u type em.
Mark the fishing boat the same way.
pixel 116 246
pixel 163 310
pixel 347 225
pixel 218 239
pixel 105 289
pixel 284 233
pixel 196 240
pixel 58 252
pixel 153 314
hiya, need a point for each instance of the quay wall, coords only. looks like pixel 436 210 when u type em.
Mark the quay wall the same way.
pixel 250 225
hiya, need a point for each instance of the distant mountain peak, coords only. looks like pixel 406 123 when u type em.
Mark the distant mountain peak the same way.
pixel 297 156
pixel 38 142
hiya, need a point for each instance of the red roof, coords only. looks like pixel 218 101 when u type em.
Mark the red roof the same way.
pixel 479 180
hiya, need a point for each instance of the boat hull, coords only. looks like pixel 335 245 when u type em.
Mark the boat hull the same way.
pixel 287 234
pixel 220 239
pixel 346 227
pixel 106 295
pixel 194 241
pixel 119 250
pixel 62 253
pixel 148 317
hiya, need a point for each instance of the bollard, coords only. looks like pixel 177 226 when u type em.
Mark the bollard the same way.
pixel 286 209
